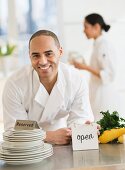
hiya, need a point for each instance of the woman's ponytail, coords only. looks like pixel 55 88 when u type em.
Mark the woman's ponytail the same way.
pixel 106 27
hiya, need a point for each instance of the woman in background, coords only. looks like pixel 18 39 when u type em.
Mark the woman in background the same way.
pixel 102 66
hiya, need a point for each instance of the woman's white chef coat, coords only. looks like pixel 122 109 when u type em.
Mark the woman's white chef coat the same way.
pixel 102 90
pixel 24 97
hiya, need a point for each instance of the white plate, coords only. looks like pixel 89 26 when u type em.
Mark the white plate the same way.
pixel 13 151
pixel 24 136
pixel 21 145
pixel 34 132
pixel 22 139
pixel 24 162
pixel 28 157
pixel 22 133
pixel 27 161
pixel 9 154
pixel 48 151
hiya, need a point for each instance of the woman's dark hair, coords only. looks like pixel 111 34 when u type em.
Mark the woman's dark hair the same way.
pixel 46 33
pixel 96 18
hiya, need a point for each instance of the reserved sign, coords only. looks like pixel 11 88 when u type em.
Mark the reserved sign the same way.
pixel 26 125
pixel 84 137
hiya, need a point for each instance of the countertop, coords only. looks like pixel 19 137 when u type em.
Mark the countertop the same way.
pixel 108 157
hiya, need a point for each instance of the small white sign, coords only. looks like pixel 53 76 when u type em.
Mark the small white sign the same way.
pixel 84 137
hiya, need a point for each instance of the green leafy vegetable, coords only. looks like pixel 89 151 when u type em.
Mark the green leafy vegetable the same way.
pixel 110 121
pixel 9 50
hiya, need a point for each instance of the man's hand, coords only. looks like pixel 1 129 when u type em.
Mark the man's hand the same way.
pixel 61 136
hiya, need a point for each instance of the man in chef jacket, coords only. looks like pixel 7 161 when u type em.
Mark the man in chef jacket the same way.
pixel 50 92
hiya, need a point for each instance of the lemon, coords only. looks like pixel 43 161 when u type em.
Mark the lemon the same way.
pixel 121 139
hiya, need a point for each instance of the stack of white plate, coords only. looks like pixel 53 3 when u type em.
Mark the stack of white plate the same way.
pixel 24 147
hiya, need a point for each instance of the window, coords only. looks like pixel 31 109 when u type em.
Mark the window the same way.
pixel 31 15
pixel 24 18
pixel 36 14
pixel 3 17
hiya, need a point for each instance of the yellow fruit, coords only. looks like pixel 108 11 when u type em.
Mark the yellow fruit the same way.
pixel 110 135
pixel 121 139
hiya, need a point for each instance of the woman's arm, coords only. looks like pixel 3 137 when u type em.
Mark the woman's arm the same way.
pixel 87 68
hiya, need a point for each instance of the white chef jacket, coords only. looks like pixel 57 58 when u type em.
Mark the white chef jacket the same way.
pixel 102 90
pixel 25 98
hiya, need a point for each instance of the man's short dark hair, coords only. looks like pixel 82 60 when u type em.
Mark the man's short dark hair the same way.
pixel 46 33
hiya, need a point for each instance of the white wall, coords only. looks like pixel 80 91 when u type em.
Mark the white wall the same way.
pixel 74 10
pixel 114 14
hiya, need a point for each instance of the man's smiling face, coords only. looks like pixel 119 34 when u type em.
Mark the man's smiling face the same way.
pixel 45 56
